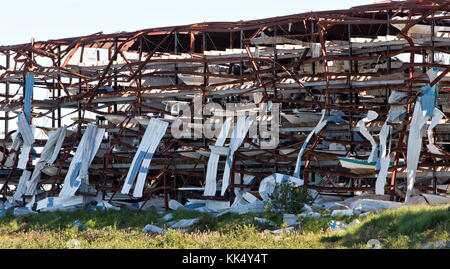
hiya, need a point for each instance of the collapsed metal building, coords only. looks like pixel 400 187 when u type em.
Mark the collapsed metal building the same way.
pixel 331 72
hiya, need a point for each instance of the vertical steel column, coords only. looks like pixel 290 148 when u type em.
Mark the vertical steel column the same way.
pixel 241 46
pixel 115 71
pixel 7 92
pixel 192 43
pixel 389 62
pixel 350 53
pixel 32 92
pixel 176 53
pixel 59 86
pixel 313 64
pixel 140 72
pixel 432 41
pixel 205 67
pixel 80 89
pixel 432 62
pixel 275 59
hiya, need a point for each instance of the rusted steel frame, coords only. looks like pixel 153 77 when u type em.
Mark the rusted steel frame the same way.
pixel 343 75
pixel 340 189
pixel 186 173
pixel 302 102
pixel 185 72
pixel 441 76
pixel 294 77
pixel 107 69
pixel 366 143
pixel 308 161
pixel 73 73
pixel 150 55
pixel 355 108
pixel 256 69
pixel 365 21
pixel 427 188
pixel 69 96
pixel 256 174
pixel 121 130
pixel 422 17
pixel 375 57
pixel 259 86
pixel 120 156
pixel 10 174
pixel 69 56
pixel 322 30
pixel 339 173
pixel 153 109
pixel 163 172
pixel 302 58
pixel 326 176
pixel 137 81
pixel 182 142
pixel 179 156
pixel 233 26
pixel 404 33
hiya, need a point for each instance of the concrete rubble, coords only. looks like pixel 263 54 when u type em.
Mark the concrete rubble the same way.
pixel 153 229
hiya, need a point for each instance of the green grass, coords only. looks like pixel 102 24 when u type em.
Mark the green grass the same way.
pixel 407 227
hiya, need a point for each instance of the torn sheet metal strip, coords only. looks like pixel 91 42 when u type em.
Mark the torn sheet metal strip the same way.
pixel 371 115
pixel 17 141
pixel 384 160
pixel 21 187
pixel 437 117
pixel 320 125
pixel 137 160
pixel 51 146
pixel 57 148
pixel 158 128
pixel 239 133
pixel 414 146
pixel 55 203
pixel 72 181
pixel 25 152
pixel 213 161
pixel 29 84
pixel 25 129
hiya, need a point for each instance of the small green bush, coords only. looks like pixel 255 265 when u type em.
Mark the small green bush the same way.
pixel 287 198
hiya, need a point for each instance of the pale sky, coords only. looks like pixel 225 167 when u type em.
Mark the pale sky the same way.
pixel 53 19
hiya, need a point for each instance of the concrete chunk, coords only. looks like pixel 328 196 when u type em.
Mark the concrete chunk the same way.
pixel 264 221
pixel 184 223
pixel 152 229
pixel 290 219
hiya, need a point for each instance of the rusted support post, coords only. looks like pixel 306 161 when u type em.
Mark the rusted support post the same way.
pixel 166 196
pixel 7 54
pixel 403 132
pixel 232 178
pixel 59 87
pixel 389 60
pixel 141 38
pixel 241 46
pixel 192 43
pixel 275 61
pixel 326 92
pixel 350 53
pixel 313 64
pixel 115 70
pixel 175 49
pixel 432 40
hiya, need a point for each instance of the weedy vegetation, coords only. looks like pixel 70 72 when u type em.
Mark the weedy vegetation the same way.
pixel 406 227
